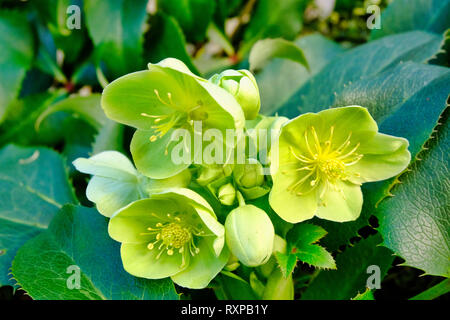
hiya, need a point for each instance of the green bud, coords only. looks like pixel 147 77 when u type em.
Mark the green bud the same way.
pixel 242 85
pixel 227 194
pixel 249 234
pixel 232 264
pixel 278 287
pixel 249 175
pixel 279 245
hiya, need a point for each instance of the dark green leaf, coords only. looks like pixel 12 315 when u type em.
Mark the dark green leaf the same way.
pixel 165 39
pixel 16 47
pixel 407 15
pixel 360 63
pixel 415 223
pixel 274 19
pixel 193 16
pixel 289 75
pixel 351 275
pixel 78 237
pixel 33 187
pixel 116 28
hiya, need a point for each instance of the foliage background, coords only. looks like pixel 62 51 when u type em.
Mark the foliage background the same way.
pixel 51 78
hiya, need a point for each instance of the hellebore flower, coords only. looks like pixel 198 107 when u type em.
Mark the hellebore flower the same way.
pixel 171 234
pixel 249 234
pixel 324 158
pixel 162 99
pixel 242 85
pixel 116 183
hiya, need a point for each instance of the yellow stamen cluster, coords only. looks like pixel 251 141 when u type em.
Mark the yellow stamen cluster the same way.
pixel 173 236
pixel 325 162
pixel 163 123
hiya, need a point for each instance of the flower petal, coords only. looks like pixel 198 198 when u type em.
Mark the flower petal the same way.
pixel 108 164
pixel 128 224
pixel 341 206
pixel 202 267
pixel 110 195
pixel 290 206
pixel 384 157
pixel 156 159
pixel 139 261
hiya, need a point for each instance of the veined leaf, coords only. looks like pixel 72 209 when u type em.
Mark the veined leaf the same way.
pixel 33 186
pixel 77 239
pixel 289 75
pixel 321 91
pixel 428 15
pixel 265 50
pixel 352 274
pixel 415 223
pixel 301 245
pixel 116 28
pixel 16 47
pixel 88 108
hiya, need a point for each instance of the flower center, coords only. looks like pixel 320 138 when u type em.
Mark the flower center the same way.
pixel 173 236
pixel 324 162
pixel 332 168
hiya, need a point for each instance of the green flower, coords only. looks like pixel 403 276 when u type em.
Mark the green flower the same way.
pixel 171 234
pixel 324 158
pixel 162 99
pixel 116 183
pixel 242 85
pixel 249 235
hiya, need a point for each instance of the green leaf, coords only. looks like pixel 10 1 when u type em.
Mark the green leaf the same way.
pixel 16 55
pixel 287 262
pixel 166 39
pixel 233 288
pixel 415 223
pixel 273 19
pixel 193 16
pixel 30 195
pixel 428 15
pixel 54 15
pixel 265 50
pixel 88 108
pixel 289 75
pixel 366 295
pixel 301 244
pixel 358 64
pixel 78 237
pixel 351 274
pixel 116 28
pixel 434 292
pixel 109 137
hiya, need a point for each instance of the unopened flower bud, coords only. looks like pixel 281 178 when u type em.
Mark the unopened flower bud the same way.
pixel 227 194
pixel 249 175
pixel 242 85
pixel 249 234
